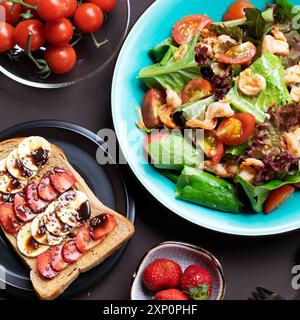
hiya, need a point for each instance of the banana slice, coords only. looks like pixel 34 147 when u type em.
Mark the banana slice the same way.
pixel 9 184
pixel 34 152
pixel 27 245
pixel 53 224
pixel 73 208
pixel 40 233
pixel 16 168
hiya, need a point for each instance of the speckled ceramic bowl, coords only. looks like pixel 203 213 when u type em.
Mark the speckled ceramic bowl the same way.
pixel 184 254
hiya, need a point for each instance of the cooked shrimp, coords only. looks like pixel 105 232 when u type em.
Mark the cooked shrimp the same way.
pixel 276 44
pixel 251 84
pixel 252 162
pixel 165 115
pixel 173 99
pixel 292 75
pixel 248 169
pixel 295 94
pixel 292 140
pixel 217 168
pixel 219 109
pixel 202 124
pixel 209 43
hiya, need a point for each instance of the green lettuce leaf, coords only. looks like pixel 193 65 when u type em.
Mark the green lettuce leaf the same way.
pixel 259 194
pixel 237 150
pixel 203 188
pixel 171 73
pixel 159 51
pixel 270 67
pixel 173 153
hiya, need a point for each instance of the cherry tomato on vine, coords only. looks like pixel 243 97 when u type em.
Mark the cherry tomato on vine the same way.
pixel 277 197
pixel 104 5
pixel 34 27
pixel 72 6
pixel 236 129
pixel 60 59
pixel 238 55
pixel 184 29
pixel 51 10
pixel 12 12
pixel 60 32
pixel 196 89
pixel 88 17
pixel 6 36
pixel 32 3
pixel 236 10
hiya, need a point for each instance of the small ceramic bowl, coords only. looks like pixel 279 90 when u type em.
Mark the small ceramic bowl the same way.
pixel 184 254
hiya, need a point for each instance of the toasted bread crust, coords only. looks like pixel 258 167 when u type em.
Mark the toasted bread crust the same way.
pixel 50 289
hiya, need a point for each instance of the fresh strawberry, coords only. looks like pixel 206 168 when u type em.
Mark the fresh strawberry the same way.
pixel 196 282
pixel 171 294
pixel 62 179
pixel 162 274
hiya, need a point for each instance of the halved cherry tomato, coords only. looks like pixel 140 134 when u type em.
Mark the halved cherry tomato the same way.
pixel 196 89
pixel 213 147
pixel 6 37
pixel 88 18
pixel 238 55
pixel 236 10
pixel 102 225
pixel 104 5
pixel 84 241
pixel 22 31
pixel 12 12
pixel 277 197
pixel 152 101
pixel 184 29
pixel 44 265
pixel 236 129
pixel 60 32
pixel 51 10
pixel 61 60
pixel 8 218
pixel 57 261
pixel 70 253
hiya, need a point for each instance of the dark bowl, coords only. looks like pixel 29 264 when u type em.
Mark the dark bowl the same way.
pixel 90 60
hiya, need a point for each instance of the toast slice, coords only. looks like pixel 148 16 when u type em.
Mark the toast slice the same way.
pixel 50 289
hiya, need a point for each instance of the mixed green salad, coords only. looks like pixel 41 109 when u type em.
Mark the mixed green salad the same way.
pixel 222 110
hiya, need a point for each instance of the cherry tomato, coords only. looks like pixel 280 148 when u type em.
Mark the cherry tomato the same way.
pixel 240 54
pixel 59 32
pixel 72 6
pixel 22 31
pixel 213 147
pixel 12 12
pixel 60 59
pixel 196 89
pixel 184 29
pixel 297 185
pixel 32 3
pixel 6 37
pixel 236 10
pixel 51 10
pixel 236 129
pixel 88 17
pixel 277 197
pixel 152 101
pixel 104 5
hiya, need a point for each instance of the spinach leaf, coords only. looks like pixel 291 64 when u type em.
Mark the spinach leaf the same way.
pixel 255 23
pixel 159 51
pixel 192 110
pixel 174 152
pixel 173 74
pixel 270 67
pixel 259 194
pixel 203 188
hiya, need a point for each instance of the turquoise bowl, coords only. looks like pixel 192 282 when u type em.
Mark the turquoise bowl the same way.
pixel 154 26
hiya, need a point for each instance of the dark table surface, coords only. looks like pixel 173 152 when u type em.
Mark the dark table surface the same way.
pixel 247 262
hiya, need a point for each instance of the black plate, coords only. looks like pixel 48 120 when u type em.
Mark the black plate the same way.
pixel 80 146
